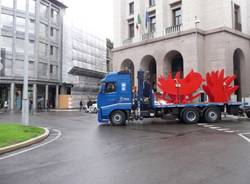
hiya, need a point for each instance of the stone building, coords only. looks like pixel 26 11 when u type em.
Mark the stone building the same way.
pixel 163 36
pixel 45 51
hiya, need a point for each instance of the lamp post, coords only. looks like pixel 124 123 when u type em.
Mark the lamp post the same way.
pixel 25 102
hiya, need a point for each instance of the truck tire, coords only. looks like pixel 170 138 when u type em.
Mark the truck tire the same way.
pixel 212 115
pixel 190 115
pixel 118 118
pixel 248 113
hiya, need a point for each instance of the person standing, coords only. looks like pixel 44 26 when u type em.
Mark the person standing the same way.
pixel 81 105
pixel 31 107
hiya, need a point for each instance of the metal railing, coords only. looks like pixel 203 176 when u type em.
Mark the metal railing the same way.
pixel 127 41
pixel 173 29
pixel 148 36
pixel 238 26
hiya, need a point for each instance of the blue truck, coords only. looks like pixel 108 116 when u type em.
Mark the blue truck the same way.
pixel 117 103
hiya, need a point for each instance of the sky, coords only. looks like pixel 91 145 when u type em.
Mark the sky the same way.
pixel 93 15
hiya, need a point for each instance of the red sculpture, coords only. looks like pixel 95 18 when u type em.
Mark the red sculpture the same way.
pixel 218 87
pixel 179 90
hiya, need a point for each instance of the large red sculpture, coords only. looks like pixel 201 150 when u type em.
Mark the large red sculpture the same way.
pixel 218 87
pixel 181 91
pixel 177 90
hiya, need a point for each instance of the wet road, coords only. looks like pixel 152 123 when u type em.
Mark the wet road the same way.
pixel 163 152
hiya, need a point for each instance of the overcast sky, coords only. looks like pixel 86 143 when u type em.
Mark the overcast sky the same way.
pixel 93 15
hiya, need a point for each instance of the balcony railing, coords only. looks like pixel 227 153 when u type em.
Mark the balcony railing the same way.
pixel 238 26
pixel 148 36
pixel 173 29
pixel 127 41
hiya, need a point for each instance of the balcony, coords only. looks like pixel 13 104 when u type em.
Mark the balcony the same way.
pixel 148 36
pixel 127 41
pixel 173 29
pixel 238 26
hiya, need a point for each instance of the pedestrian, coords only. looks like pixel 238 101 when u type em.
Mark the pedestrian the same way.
pixel 81 105
pixel 5 105
pixel 31 107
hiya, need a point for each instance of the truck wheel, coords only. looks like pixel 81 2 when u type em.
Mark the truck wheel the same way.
pixel 190 115
pixel 248 113
pixel 118 118
pixel 212 115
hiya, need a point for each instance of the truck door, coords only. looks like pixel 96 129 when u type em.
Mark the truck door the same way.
pixel 109 95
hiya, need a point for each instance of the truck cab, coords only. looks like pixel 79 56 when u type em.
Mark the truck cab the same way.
pixel 115 97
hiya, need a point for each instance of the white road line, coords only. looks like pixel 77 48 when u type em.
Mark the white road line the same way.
pixel 215 127
pixel 208 126
pixel 230 131
pixel 244 137
pixel 35 147
pixel 223 129
pixel 201 124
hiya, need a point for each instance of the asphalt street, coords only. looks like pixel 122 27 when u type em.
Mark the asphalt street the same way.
pixel 139 153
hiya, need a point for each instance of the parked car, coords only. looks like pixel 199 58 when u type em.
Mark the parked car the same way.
pixel 91 107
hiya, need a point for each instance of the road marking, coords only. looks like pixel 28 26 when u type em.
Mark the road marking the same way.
pixel 215 127
pixel 201 124
pixel 230 131
pixel 34 147
pixel 244 137
pixel 223 129
pixel 208 126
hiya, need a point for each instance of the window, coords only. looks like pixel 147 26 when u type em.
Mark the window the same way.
pixel 19 45
pixel 51 52
pixel 131 30
pixel 6 43
pixel 151 3
pixel 20 24
pixel 152 23
pixel 7 3
pixel 110 87
pixel 177 17
pixel 51 69
pixel 32 6
pixel 31 50
pixel 51 32
pixel 54 15
pixel 7 21
pixel 21 5
pixel 32 27
pixel 43 11
pixel 42 70
pixel 42 49
pixel 43 30
pixel 131 8
pixel 237 18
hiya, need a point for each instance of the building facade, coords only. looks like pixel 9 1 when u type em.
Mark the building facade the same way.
pixel 45 51
pixel 84 64
pixel 167 36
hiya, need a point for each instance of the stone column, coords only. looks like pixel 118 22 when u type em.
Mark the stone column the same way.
pixel 57 96
pixel 12 96
pixel 46 95
pixel 34 97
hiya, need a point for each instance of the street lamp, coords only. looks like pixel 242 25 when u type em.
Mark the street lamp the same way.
pixel 25 102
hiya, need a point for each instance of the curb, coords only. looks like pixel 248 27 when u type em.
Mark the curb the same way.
pixel 25 143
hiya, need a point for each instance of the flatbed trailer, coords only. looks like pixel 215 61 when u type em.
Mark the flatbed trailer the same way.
pixel 117 104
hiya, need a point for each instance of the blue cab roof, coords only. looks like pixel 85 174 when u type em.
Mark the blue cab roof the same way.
pixel 113 76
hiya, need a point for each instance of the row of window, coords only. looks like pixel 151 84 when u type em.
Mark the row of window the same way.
pixel 7 23
pixel 132 6
pixel 43 10
pixel 7 43
pixel 150 22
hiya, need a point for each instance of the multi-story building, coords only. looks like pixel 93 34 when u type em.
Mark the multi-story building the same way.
pixel 109 56
pixel 167 36
pixel 84 64
pixel 45 51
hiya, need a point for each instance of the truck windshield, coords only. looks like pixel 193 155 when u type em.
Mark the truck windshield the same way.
pixel 102 87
